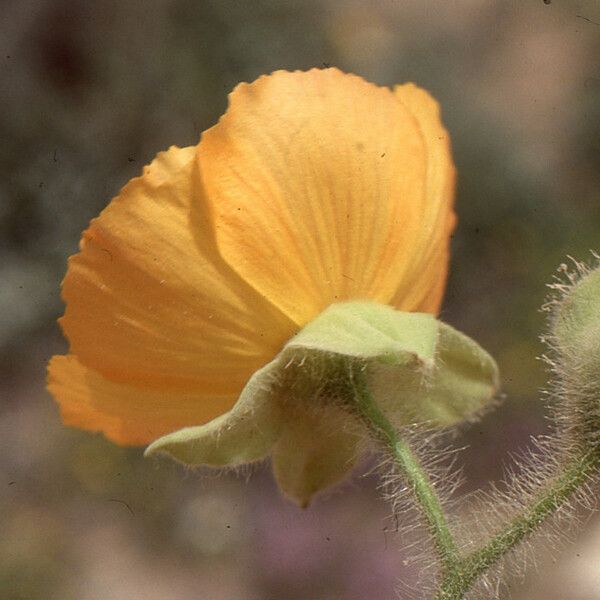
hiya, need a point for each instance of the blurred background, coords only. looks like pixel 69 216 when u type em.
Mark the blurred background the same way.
pixel 91 91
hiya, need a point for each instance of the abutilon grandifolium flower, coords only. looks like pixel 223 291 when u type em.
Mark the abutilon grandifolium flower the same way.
pixel 218 301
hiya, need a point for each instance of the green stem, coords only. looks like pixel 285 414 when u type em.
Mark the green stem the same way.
pixel 550 498
pixel 414 475
pixel 459 574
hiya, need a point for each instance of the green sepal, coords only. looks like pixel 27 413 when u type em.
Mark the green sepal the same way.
pixel 370 331
pixel 457 386
pixel 314 452
pixel 299 407
pixel 242 435
pixel 419 369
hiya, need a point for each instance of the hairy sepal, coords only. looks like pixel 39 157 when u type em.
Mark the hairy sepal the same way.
pixel 419 370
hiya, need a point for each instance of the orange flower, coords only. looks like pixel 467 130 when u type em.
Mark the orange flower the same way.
pixel 314 188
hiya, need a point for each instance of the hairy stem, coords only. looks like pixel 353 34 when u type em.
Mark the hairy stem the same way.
pixel 553 496
pixel 458 574
pixel 415 476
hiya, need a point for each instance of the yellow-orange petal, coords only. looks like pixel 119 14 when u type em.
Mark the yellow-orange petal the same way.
pixel 151 304
pixel 319 188
pixel 126 414
pixel 428 272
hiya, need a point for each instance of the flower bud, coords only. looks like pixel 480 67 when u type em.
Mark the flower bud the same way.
pixel 575 337
pixel 576 323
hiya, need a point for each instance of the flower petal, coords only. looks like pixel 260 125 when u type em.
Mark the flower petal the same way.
pixel 151 303
pixel 437 217
pixel 313 452
pixel 320 187
pixel 126 414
